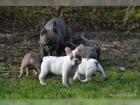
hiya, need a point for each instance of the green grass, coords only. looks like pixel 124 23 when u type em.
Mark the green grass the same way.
pixel 120 85
pixel 29 88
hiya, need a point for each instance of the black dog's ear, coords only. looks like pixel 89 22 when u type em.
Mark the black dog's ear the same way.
pixel 55 29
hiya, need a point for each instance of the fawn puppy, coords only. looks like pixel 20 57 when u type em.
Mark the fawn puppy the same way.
pixel 88 67
pixel 30 63
pixel 64 65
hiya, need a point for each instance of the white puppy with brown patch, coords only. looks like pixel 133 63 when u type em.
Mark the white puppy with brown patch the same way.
pixel 65 65
pixel 88 67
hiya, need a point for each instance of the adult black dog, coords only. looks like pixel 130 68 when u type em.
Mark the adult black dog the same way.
pixel 54 37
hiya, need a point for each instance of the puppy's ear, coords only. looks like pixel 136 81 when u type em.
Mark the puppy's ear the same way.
pixel 68 50
pixel 80 48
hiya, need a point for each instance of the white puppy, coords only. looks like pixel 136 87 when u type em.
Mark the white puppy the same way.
pixel 88 67
pixel 65 65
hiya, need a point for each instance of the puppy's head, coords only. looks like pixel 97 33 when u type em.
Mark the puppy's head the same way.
pixel 75 54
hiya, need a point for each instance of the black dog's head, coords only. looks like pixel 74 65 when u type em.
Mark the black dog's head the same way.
pixel 50 38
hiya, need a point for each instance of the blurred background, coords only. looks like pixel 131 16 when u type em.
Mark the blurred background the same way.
pixel 79 18
pixel 117 29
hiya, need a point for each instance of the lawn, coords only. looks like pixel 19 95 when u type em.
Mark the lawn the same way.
pixel 120 85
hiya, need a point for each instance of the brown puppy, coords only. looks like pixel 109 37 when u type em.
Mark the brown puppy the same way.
pixel 30 63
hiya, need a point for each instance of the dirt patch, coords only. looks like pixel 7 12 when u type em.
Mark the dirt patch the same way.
pixel 123 46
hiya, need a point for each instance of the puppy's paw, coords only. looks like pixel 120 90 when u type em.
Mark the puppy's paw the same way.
pixel 19 76
pixel 76 78
pixel 103 79
pixel 43 83
pixel 66 85
pixel 71 82
pixel 35 72
pixel 83 81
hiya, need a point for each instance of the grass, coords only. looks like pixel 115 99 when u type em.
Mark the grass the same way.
pixel 120 85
